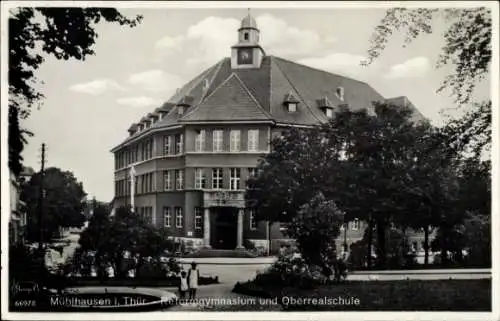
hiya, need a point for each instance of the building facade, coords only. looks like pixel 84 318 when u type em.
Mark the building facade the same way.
pixel 192 156
pixel 18 217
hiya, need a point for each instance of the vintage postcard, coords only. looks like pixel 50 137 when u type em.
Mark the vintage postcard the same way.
pixel 188 160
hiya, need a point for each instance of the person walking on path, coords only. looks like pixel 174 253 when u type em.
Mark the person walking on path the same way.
pixel 183 286
pixel 193 278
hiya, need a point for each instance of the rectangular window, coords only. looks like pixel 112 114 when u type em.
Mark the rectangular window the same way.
pixel 217 140
pixel 167 216
pixel 148 215
pixel 139 184
pixel 355 224
pixel 152 182
pixel 253 222
pixel 146 183
pixel 234 141
pixel 178 144
pixel 167 145
pixel 217 178
pixel 253 140
pixel 234 179
pixel 292 107
pixel 199 141
pixel 198 218
pixel 199 178
pixel 178 216
pixel 179 179
pixel 329 113
pixel 167 180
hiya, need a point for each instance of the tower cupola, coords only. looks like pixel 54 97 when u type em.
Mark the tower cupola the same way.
pixel 247 53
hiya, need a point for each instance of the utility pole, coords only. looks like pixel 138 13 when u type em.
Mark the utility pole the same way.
pixel 40 198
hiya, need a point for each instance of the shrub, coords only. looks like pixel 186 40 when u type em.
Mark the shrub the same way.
pixel 294 272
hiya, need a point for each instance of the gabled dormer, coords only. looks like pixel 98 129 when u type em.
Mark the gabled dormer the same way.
pixel 153 117
pixel 133 129
pixel 290 102
pixel 184 103
pixel 326 106
pixel 144 123
pixel 164 109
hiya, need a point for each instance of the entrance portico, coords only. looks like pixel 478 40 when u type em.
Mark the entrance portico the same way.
pixel 226 210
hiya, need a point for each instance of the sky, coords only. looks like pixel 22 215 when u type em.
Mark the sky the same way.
pixel 89 105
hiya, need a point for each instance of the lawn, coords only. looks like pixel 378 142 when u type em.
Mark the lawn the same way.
pixel 404 295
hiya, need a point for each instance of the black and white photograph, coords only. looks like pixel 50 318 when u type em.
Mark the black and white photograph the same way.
pixel 188 160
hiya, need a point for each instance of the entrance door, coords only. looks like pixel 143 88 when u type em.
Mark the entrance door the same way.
pixel 225 228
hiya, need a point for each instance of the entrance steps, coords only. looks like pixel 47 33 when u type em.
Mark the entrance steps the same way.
pixel 239 253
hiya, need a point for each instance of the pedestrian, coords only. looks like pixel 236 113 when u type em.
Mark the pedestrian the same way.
pixel 183 285
pixel 193 278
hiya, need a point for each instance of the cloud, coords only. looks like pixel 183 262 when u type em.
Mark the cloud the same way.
pixel 96 87
pixel 139 102
pixel 341 63
pixel 210 40
pixel 282 39
pixel 155 81
pixel 415 67
pixel 169 42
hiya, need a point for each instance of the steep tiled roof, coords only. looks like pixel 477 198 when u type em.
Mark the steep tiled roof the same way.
pixel 313 84
pixel 221 93
pixel 281 86
pixel 405 102
pixel 230 101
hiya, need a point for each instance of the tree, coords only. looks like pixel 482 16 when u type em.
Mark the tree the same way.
pixel 430 188
pixel 477 239
pixel 467 47
pixel 63 202
pixel 95 236
pixel 112 238
pixel 357 160
pixel 34 34
pixel 315 227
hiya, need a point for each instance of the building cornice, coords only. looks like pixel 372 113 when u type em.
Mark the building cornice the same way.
pixel 145 134
pixel 295 125
pixel 215 122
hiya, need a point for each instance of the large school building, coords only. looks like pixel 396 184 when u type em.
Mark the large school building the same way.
pixel 193 155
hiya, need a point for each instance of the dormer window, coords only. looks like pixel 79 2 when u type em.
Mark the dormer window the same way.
pixel 184 103
pixel 291 102
pixel 133 129
pixel 329 112
pixel 325 104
